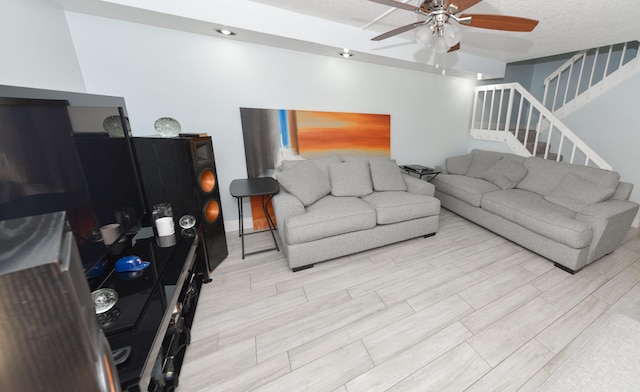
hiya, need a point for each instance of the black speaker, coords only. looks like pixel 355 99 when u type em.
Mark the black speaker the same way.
pixel 182 171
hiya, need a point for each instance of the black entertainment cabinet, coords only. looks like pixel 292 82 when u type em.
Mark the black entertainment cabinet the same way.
pixel 151 321
pixel 73 165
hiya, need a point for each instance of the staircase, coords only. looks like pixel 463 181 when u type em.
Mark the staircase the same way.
pixel 509 113
pixel 589 74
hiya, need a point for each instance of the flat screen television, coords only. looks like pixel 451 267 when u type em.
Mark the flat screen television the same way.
pixel 39 168
pixel 56 154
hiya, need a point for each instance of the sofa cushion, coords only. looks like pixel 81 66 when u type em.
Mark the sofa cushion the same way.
pixel 386 175
pixel 330 216
pixel 533 212
pixel 459 164
pixel 481 162
pixel 467 189
pixel 575 193
pixel 350 178
pixel 544 175
pixel 506 173
pixel 321 162
pixel 305 181
pixel 398 206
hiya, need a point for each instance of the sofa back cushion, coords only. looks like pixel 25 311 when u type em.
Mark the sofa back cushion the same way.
pixel 386 175
pixel 304 180
pixel 506 173
pixel 575 192
pixel 482 161
pixel 321 162
pixel 459 164
pixel 543 176
pixel 350 178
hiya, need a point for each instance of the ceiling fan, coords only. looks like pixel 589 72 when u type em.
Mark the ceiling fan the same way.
pixel 438 28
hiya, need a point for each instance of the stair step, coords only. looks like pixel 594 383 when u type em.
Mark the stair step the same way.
pixel 540 150
pixel 551 157
pixel 531 136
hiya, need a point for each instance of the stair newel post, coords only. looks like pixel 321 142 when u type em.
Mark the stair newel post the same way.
pixel 509 109
pixel 475 107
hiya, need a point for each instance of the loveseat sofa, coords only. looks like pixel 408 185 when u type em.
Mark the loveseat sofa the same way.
pixel 570 214
pixel 330 207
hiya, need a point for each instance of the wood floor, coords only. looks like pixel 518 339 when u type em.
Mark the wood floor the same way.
pixel 463 310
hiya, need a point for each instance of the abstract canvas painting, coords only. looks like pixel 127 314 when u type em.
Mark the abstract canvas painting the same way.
pixel 271 135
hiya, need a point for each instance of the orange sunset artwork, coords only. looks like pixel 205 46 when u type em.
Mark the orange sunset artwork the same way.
pixel 319 133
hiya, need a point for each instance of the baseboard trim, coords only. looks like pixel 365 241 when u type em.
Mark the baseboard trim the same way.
pixel 234 225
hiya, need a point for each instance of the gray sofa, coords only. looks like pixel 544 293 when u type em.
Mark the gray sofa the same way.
pixel 329 207
pixel 570 214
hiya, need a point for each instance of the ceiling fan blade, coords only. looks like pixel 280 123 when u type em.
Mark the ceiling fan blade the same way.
pixel 399 30
pixel 461 4
pixel 500 22
pixel 397 4
pixel 454 47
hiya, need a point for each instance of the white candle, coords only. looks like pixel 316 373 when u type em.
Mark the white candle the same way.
pixel 165 226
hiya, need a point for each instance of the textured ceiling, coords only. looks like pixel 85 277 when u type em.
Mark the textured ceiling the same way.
pixel 322 26
pixel 565 25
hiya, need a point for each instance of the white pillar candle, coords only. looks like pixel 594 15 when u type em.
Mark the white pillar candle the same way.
pixel 165 226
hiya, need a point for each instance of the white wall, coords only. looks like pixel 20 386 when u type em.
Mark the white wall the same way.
pixel 611 126
pixel 202 81
pixel 37 50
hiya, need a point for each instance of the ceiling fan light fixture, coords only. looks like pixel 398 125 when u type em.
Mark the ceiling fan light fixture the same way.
pixel 424 36
pixel 451 35
pixel 440 45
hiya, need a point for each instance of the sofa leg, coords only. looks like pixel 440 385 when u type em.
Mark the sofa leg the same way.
pixel 566 269
pixel 429 235
pixel 304 267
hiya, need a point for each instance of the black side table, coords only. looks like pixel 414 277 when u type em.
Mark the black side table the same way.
pixel 421 171
pixel 247 187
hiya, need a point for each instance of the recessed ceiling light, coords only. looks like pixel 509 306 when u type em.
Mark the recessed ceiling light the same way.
pixel 345 53
pixel 225 32
pixel 479 76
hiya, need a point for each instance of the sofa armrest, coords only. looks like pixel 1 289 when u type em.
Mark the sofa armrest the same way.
pixel 623 191
pixel 442 168
pixel 418 186
pixel 610 221
pixel 286 205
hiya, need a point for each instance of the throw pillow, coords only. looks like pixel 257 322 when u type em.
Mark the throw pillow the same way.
pixel 321 162
pixel 575 193
pixel 305 181
pixel 506 174
pixel 481 162
pixel 350 178
pixel 459 165
pixel 386 175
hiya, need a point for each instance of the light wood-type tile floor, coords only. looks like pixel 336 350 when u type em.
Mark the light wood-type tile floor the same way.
pixel 465 310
